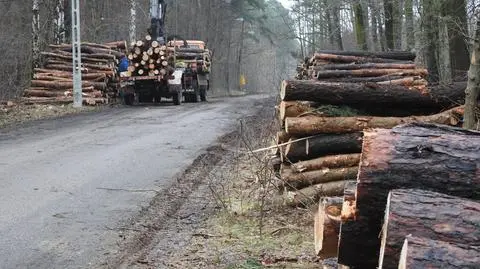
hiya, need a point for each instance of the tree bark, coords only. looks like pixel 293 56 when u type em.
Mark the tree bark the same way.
pixel 61 85
pixel 391 55
pixel 312 125
pixel 372 94
pixel 295 180
pixel 365 66
pixel 330 162
pixel 323 145
pixel 370 73
pixel 410 211
pixel 327 227
pixel 421 252
pixel 312 194
pixel 354 59
pixel 472 92
pixel 296 109
pixel 408 156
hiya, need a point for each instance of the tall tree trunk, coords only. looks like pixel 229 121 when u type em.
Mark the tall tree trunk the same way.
pixel 473 87
pixel 360 27
pixel 456 12
pixel 336 24
pixel 444 63
pixel 389 24
pixel 409 24
pixel 430 28
pixel 133 19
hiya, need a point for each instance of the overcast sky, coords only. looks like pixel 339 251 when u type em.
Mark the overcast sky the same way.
pixel 286 3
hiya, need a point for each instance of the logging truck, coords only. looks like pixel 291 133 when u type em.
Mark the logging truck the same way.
pixel 162 67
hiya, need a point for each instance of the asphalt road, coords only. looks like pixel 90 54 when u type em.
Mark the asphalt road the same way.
pixel 68 186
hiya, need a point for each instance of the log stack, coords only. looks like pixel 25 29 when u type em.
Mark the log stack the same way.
pixel 322 119
pixel 149 58
pixel 325 147
pixel 53 82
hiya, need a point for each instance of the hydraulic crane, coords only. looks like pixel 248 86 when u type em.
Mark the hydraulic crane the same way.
pixel 158 9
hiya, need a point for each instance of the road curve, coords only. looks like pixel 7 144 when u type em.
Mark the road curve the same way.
pixel 68 185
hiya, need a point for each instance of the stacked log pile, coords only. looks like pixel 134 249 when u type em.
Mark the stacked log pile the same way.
pixel 53 82
pixel 319 147
pixel 149 58
pixel 200 59
pixel 363 126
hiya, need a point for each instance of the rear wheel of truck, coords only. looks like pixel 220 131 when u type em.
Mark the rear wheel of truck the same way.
pixel 203 93
pixel 129 99
pixel 177 98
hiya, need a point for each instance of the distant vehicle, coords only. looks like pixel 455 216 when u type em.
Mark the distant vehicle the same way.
pixel 161 68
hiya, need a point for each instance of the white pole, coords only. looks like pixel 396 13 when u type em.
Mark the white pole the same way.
pixel 133 18
pixel 77 55
pixel 35 32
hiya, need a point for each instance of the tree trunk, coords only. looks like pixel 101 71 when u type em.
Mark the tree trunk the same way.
pixel 430 29
pixel 296 109
pixel 327 227
pixel 360 29
pixel 295 180
pixel 371 94
pixel 456 11
pixel 366 66
pixel 336 24
pixel 409 20
pixel 61 85
pixel 371 73
pixel 410 211
pixel 312 194
pixel 389 24
pixel 323 145
pixel 369 58
pixel 472 91
pixel 312 125
pixel 421 252
pixel 329 162
pixel 408 156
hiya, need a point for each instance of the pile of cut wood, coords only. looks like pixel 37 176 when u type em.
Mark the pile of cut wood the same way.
pixel 356 136
pixel 149 58
pixel 418 187
pixel 396 68
pixel 53 83
pixel 200 59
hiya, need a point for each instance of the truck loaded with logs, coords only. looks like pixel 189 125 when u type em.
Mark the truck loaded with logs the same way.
pixel 161 67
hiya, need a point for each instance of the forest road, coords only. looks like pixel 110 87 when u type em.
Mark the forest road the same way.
pixel 69 185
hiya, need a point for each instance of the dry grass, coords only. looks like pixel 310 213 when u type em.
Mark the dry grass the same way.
pixel 17 114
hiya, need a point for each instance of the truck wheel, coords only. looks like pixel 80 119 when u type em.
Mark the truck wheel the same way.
pixel 177 98
pixel 129 99
pixel 203 94
pixel 195 97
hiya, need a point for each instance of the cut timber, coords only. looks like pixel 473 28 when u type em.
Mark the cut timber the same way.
pixel 294 180
pixel 327 227
pixel 418 155
pixel 394 55
pixel 282 137
pixel 337 161
pixel 296 109
pixel 353 59
pixel 364 66
pixel 347 217
pixel 421 252
pixel 372 94
pixel 312 125
pixel 312 194
pixel 370 73
pixel 46 93
pixel 428 214
pixel 323 145
pixel 61 85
